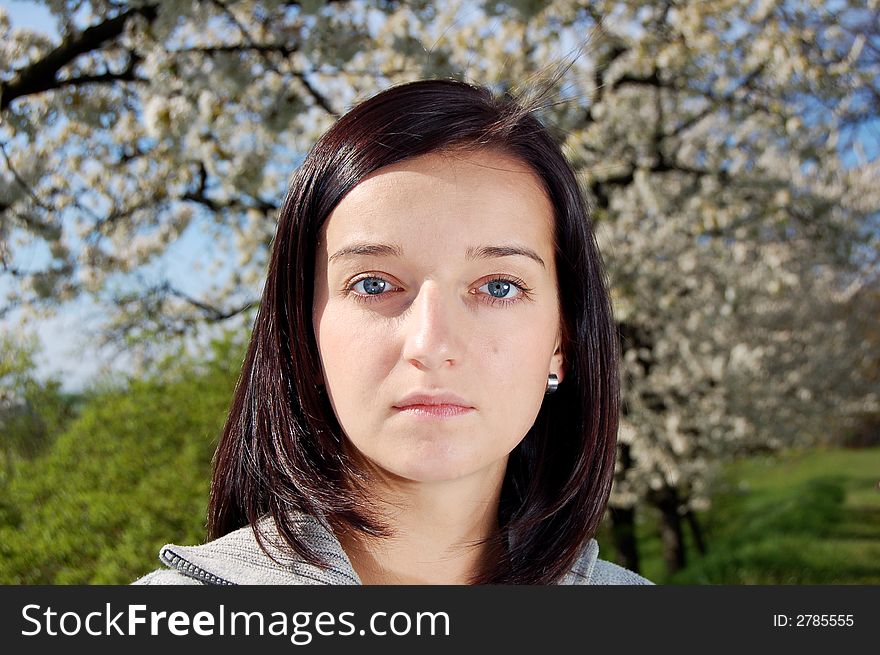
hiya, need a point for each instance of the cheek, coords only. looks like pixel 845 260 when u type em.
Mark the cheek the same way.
pixel 516 354
pixel 353 351
pixel 513 367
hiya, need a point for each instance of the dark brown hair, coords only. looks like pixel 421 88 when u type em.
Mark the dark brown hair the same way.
pixel 281 448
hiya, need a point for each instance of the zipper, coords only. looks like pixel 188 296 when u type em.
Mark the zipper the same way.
pixel 174 560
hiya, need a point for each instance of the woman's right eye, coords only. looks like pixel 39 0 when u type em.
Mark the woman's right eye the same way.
pixel 372 285
pixel 369 288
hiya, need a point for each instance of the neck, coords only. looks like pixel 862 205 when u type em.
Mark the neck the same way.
pixel 437 529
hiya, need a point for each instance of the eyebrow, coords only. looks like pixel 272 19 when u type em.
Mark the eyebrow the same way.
pixel 472 253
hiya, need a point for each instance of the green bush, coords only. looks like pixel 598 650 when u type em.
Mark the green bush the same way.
pixel 129 474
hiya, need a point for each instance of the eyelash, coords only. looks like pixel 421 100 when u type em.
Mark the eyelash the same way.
pixel 492 300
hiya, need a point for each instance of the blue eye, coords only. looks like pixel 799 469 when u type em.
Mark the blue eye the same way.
pixel 497 290
pixel 373 286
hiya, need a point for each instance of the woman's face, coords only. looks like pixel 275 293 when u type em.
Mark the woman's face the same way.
pixel 418 290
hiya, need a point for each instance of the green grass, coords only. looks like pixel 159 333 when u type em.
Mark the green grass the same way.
pixel 803 518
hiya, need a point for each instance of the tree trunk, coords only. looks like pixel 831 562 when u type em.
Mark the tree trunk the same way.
pixel 623 531
pixel 696 531
pixel 666 500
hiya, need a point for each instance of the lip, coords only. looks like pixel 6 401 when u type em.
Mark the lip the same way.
pixel 432 412
pixel 436 401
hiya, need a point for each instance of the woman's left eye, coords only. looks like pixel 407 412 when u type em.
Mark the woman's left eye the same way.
pixel 504 290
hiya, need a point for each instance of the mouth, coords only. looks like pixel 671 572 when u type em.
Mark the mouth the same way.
pixel 434 404
pixel 434 411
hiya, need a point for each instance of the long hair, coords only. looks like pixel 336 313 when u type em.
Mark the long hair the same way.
pixel 281 449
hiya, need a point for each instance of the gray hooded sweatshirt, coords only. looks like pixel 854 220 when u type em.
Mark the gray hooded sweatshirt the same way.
pixel 237 559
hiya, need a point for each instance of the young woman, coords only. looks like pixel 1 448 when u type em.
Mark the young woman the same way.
pixel 431 392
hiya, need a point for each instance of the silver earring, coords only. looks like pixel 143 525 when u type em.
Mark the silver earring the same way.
pixel 552 383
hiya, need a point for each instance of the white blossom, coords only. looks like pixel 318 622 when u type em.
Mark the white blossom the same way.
pixel 724 200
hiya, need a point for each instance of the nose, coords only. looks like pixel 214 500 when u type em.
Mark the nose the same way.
pixel 430 336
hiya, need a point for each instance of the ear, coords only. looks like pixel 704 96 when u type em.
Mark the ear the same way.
pixel 557 362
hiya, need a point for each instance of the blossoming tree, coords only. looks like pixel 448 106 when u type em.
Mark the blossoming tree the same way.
pixel 728 150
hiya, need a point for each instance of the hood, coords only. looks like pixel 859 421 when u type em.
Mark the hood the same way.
pixel 237 559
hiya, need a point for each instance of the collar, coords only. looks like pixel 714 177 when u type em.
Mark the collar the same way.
pixel 237 559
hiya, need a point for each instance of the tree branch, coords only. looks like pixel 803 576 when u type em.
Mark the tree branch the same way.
pixel 654 80
pixel 210 312
pixel 24 185
pixel 200 196
pixel 713 106
pixel 615 53
pixel 217 206
pixel 42 75
pixel 233 48
pixel 126 75
pixel 319 98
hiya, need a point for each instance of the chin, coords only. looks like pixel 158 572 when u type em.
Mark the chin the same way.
pixel 430 472
pixel 434 467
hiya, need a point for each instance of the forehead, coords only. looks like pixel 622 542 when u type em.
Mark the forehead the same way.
pixel 443 200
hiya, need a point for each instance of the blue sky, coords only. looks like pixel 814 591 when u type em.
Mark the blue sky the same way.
pixel 29 14
pixel 60 355
pixel 68 349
